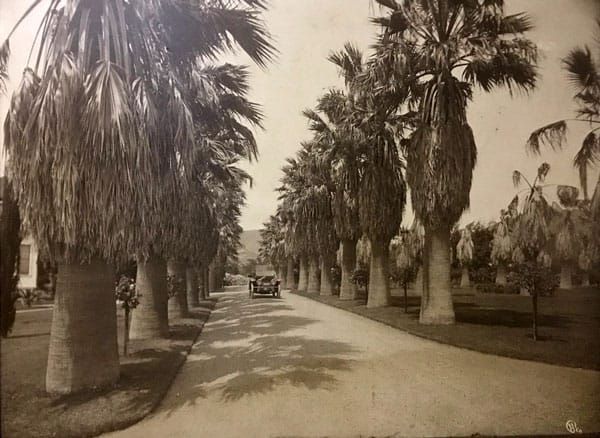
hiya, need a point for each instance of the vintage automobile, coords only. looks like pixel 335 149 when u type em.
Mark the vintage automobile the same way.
pixel 264 281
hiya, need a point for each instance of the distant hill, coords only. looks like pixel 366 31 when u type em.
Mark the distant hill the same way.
pixel 250 244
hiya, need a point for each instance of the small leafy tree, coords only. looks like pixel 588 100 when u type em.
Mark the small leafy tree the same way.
pixel 126 295
pixel 532 240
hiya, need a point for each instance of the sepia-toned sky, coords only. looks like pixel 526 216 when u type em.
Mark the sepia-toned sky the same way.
pixel 306 31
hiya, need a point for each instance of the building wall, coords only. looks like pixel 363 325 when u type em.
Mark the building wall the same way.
pixel 28 264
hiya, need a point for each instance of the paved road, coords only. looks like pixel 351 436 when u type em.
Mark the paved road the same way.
pixel 295 367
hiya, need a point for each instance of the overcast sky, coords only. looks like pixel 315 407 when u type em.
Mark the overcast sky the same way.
pixel 306 31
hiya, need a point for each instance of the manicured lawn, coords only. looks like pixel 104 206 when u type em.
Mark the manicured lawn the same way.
pixel 569 324
pixel 146 374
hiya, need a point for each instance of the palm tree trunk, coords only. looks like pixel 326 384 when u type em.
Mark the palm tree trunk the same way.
pixel 150 318
pixel 191 286
pixel 178 305
pixel 436 303
pixel 566 276
pixel 326 288
pixel 201 283
pixel 303 278
pixel 83 351
pixel 283 275
pixel 347 286
pixel 419 282
pixel 465 281
pixel 379 290
pixel 585 279
pixel 212 277
pixel 289 274
pixel 313 275
pixel 501 275
pixel 221 276
pixel 206 282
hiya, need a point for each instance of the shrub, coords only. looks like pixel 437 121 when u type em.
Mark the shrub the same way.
pixel 360 277
pixel 126 295
pixel 28 297
pixel 175 285
pixel 336 276
pixel 483 274
pixel 494 288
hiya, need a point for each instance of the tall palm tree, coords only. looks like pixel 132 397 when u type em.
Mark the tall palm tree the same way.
pixel 300 237
pixel 502 244
pixel 464 254
pixel 218 104
pixel 370 168
pixel 272 245
pixel 568 227
pixel 332 125
pixel 102 69
pixel 311 203
pixel 439 51
pixel 583 70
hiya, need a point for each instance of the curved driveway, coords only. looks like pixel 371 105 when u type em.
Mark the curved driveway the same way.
pixel 296 367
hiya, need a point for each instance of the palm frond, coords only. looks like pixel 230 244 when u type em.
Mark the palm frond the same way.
pixel 4 56
pixel 553 135
pixel 582 70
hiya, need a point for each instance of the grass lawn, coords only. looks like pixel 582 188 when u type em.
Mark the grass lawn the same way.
pixel 146 374
pixel 569 324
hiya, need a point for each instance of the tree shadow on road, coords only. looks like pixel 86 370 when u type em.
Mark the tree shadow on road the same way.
pixel 252 347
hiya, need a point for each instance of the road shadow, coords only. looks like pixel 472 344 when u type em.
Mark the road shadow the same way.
pixel 252 347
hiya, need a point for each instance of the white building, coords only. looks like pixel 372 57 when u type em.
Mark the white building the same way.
pixel 28 264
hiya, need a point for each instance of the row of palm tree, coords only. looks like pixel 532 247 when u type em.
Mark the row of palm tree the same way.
pixel 123 140
pixel 400 124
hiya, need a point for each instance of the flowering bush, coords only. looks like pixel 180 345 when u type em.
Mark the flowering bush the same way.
pixel 175 285
pixel 125 293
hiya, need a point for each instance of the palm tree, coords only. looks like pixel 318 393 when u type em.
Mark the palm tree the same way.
pixel 464 254
pixel 568 226
pixel 4 55
pixel 369 165
pixel 532 239
pixel 310 193
pixel 502 245
pixel 101 70
pixel 301 238
pixel 332 126
pixel 219 105
pixel 438 51
pixel 272 245
pixel 381 204
pixel 583 70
